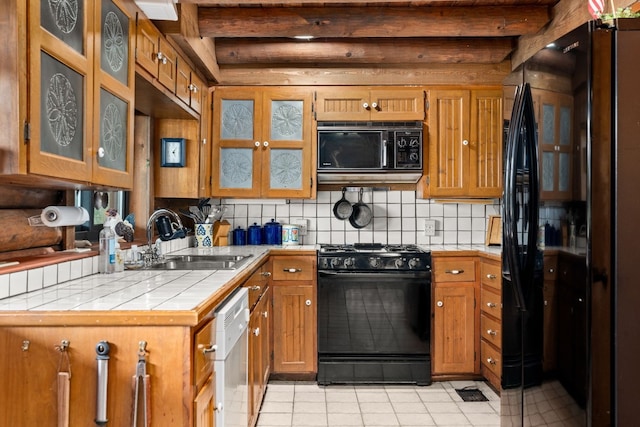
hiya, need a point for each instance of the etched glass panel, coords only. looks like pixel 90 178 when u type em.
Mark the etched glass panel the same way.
pixel 565 125
pixel 548 124
pixel 547 171
pixel 236 168
pixel 65 20
pixel 285 169
pixel 237 119
pixel 114 51
pixel 61 109
pixel 564 172
pixel 286 120
pixel 113 131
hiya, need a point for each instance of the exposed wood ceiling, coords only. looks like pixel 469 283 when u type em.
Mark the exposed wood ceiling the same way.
pixel 240 39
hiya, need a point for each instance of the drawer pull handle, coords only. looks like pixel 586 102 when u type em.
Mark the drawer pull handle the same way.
pixel 491 304
pixel 551 270
pixel 439 303
pixel 265 314
pixel 210 349
pixel 255 288
pixel 491 332
pixel 491 276
pixel 454 271
pixel 292 270
pixel 491 361
pixel 266 274
pixel 256 332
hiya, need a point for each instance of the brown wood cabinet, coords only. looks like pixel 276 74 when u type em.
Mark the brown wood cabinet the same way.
pixel 365 103
pixel 260 303
pixel 294 315
pixel 31 361
pixel 491 321
pixel 455 317
pixel 263 142
pixel 554 115
pixel 465 143
pixel 70 91
pixel 205 404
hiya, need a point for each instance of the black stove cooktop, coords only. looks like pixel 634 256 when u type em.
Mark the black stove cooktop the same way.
pixel 373 256
pixel 371 247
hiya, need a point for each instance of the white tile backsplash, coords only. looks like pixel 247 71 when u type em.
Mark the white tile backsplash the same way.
pixel 398 217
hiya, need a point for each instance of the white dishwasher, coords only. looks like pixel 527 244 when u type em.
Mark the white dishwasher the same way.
pixel 232 319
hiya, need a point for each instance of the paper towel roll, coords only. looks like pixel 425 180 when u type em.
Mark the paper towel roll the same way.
pixel 58 216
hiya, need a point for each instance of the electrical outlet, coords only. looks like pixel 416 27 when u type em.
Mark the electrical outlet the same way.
pixel 303 223
pixel 429 227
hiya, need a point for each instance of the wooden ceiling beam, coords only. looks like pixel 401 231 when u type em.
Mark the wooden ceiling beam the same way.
pixel 363 51
pixel 364 22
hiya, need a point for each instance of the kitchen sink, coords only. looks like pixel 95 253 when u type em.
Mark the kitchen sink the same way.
pixel 201 262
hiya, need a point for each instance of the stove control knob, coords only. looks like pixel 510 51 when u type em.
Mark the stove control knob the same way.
pixel 324 263
pixel 335 262
pixel 375 262
pixel 349 262
pixel 399 262
pixel 414 262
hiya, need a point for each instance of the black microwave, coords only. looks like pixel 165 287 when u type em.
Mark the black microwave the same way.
pixel 369 147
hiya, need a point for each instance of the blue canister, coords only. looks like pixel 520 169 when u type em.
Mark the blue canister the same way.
pixel 255 235
pixel 273 233
pixel 239 237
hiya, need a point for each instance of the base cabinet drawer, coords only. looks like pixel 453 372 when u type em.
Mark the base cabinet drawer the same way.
pixel 491 303
pixel 490 330
pixel 491 358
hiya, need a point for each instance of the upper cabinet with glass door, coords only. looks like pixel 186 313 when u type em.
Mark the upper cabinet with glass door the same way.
pixel 78 90
pixel 554 116
pixel 262 143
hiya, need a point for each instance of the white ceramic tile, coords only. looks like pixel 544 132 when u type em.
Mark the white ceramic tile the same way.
pixel 408 237
pixel 337 237
pixel 408 224
pixel 366 235
pixel 394 197
pixel 450 420
pixel 310 407
pixel 450 210
pixel 373 419
pixel 477 211
pixel 283 211
pixel 380 236
pixel 324 196
pixel 422 210
pixel 308 396
pixel 17 283
pixel 309 210
pixel 450 237
pixel 4 286
pixel 240 211
pixel 380 197
pixel 352 236
pixel 269 211
pixel 394 224
pixel 464 224
pixel 323 237
pixel 338 224
pixel 87 266
pixel 436 210
pixel 342 419
pixel 408 210
pixel 34 279
pixel 64 271
pixel 394 210
pixel 408 197
pixel 275 419
pixel 450 224
pixel 254 211
pixel 478 224
pixel 478 237
pixel 324 210
pixel 296 209
pixel 323 224
pixel 303 420
pixel 464 210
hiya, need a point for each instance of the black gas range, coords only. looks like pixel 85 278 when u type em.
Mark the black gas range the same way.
pixel 373 257
pixel 374 310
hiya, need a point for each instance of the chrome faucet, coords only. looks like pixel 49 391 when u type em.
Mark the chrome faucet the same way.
pixel 152 252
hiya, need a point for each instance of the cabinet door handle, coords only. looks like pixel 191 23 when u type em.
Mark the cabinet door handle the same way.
pixel 551 270
pixel 218 407
pixel 210 349
pixel 266 274
pixel 454 271
pixel 256 332
pixel 491 276
pixel 257 143
pixel 265 314
pixel 292 270
pixel 374 105
pixel 161 57
pixel 491 361
pixel 439 303
pixel 101 152
pixel 308 302
pixel 491 332
pixel 465 142
pixel 491 304
pixel 193 88
pixel 255 288
pixel 365 106
pixel 266 143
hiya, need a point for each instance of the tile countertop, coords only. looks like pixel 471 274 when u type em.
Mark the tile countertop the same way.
pixel 154 296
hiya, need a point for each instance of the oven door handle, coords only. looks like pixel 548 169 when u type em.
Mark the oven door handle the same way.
pixel 376 274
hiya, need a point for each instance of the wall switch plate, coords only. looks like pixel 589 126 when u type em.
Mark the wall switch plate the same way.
pixel 429 227
pixel 303 223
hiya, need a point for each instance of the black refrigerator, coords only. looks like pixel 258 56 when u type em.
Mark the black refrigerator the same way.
pixel 570 209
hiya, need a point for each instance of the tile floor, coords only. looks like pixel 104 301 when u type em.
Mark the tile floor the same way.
pixel 298 404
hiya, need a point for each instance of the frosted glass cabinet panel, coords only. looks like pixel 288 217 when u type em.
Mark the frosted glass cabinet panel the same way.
pixel 555 140
pixel 262 142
